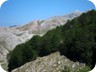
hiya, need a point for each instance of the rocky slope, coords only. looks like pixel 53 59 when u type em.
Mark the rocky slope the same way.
pixel 12 36
pixel 51 63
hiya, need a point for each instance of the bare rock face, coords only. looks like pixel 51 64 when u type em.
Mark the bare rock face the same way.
pixel 51 63
pixel 9 39
pixel 12 36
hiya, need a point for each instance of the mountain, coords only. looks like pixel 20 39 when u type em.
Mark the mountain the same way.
pixel 14 35
pixel 51 63
pixel 76 40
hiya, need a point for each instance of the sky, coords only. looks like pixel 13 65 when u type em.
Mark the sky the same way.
pixel 19 12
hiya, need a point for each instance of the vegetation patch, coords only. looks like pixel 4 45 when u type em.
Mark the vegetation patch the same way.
pixel 76 40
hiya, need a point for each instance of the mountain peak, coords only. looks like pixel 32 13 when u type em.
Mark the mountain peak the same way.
pixel 77 11
pixel 51 63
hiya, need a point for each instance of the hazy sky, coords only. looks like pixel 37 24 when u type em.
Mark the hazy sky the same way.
pixel 17 12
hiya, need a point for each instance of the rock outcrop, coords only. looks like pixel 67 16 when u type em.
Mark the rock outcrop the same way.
pixel 51 63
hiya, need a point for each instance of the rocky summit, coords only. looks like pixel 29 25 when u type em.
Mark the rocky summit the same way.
pixel 51 63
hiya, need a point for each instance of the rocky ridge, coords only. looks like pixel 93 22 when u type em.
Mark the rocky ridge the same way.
pixel 12 36
pixel 51 63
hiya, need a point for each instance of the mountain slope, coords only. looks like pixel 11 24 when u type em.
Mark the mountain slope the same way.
pixel 76 40
pixel 51 63
pixel 14 35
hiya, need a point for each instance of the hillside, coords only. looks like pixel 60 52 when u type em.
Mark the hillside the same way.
pixel 14 35
pixel 52 63
pixel 76 40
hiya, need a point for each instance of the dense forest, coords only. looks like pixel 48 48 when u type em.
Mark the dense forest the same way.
pixel 76 40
